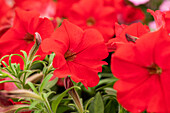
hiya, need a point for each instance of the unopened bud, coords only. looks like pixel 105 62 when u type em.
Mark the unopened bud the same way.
pixel 68 83
pixel 35 47
pixel 38 38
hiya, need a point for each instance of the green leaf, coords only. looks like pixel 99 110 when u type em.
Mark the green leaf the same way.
pixel 121 109
pixel 3 58
pixel 56 102
pixel 4 81
pixel 110 107
pixel 24 53
pixel 33 104
pixel 63 108
pixel 88 102
pixel 21 109
pixel 51 83
pixel 5 63
pixel 97 106
pixel 51 58
pixel 20 56
pixel 39 62
pixel 10 65
pixel 44 82
pixel 106 81
pixel 24 71
pixel 107 85
pixel 35 57
pixel 32 87
pixel 110 91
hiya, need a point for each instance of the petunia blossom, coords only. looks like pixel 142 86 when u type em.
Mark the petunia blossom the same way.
pixel 46 8
pixel 6 17
pixel 118 5
pixel 63 7
pixel 135 30
pixel 143 71
pixel 93 14
pixel 78 53
pixel 21 35
pixel 162 19
pixel 131 14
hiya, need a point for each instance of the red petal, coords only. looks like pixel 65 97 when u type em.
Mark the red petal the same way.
pixel 85 75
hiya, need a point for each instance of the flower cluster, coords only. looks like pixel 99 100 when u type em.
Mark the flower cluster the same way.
pixel 72 39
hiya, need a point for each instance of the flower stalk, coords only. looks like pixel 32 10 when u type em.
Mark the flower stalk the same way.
pixel 34 49
pixel 67 84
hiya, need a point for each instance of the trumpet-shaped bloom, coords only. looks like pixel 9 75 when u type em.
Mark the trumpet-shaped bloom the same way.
pixel 62 5
pixel 118 5
pixel 6 15
pixel 21 35
pixel 162 19
pixel 93 14
pixel 143 71
pixel 131 14
pixel 78 53
pixel 46 8
pixel 134 30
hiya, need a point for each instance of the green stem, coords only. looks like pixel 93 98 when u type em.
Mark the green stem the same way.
pixel 76 100
pixel 121 109
pixel 47 105
pixel 68 84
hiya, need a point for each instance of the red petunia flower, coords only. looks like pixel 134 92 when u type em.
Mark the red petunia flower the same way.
pixel 6 15
pixel 135 30
pixel 162 19
pixel 78 53
pixel 21 35
pixel 118 5
pixel 167 20
pixel 46 8
pixel 143 71
pixel 4 8
pixel 93 14
pixel 131 14
pixel 63 7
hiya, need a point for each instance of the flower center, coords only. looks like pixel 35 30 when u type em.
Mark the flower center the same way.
pixel 90 21
pixel 69 56
pixel 29 38
pixel 154 69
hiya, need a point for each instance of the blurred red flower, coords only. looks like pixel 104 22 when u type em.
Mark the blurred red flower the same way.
pixel 6 15
pixel 143 71
pixel 4 8
pixel 118 5
pixel 46 8
pixel 135 30
pixel 21 35
pixel 93 14
pixel 131 14
pixel 78 53
pixel 162 19
pixel 63 7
